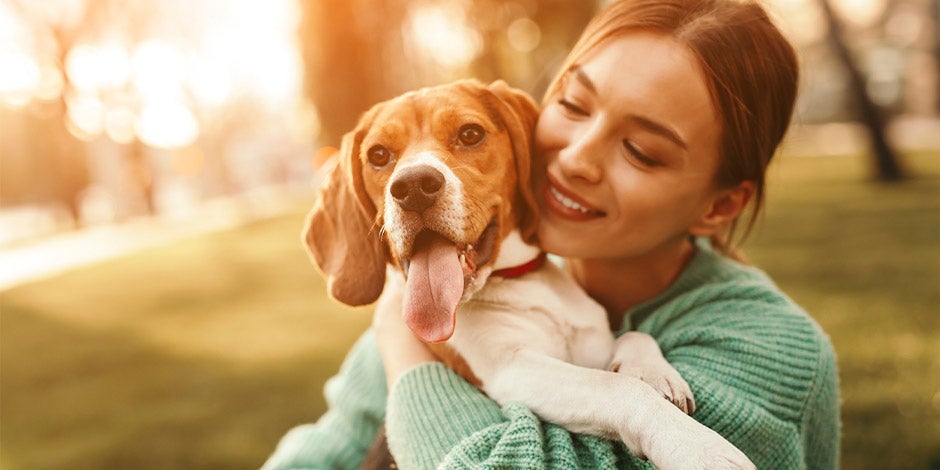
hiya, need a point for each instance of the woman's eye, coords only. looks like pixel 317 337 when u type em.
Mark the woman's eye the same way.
pixel 379 155
pixel 638 155
pixel 470 134
pixel 572 108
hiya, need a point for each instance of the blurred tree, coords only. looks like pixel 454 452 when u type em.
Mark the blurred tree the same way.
pixel 352 53
pixel 360 52
pixel 40 161
pixel 54 167
pixel 509 28
pixel 886 160
pixel 59 169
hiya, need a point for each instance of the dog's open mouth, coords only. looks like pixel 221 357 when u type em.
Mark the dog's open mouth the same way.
pixel 437 273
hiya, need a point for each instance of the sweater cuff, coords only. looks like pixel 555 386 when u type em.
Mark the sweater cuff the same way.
pixel 430 410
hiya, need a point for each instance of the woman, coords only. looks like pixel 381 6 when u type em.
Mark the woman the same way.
pixel 654 139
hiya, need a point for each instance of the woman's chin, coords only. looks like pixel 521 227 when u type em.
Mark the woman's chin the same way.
pixel 555 241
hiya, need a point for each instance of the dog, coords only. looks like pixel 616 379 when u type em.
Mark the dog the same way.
pixel 430 197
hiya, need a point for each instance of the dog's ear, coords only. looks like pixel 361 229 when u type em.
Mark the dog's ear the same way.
pixel 340 233
pixel 520 114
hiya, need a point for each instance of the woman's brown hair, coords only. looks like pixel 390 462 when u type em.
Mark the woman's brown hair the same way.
pixel 749 67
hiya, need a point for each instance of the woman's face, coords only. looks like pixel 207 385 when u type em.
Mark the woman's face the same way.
pixel 631 147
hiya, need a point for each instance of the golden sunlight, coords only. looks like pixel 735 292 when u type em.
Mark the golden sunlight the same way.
pixel 21 74
pixel 85 115
pixel 524 35
pixel 159 71
pixel 441 33
pixel 156 83
pixel 51 83
pixel 20 78
pixel 860 12
pixel 801 20
pixel 188 161
pixel 167 124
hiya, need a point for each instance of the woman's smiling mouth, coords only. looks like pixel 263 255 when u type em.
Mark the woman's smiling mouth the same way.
pixel 567 206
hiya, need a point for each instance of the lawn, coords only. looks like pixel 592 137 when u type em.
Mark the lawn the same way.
pixel 202 353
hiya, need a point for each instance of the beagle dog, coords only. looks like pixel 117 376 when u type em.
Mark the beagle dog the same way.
pixel 430 201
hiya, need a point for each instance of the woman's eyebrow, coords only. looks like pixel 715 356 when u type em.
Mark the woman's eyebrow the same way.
pixel 642 121
pixel 658 129
pixel 583 78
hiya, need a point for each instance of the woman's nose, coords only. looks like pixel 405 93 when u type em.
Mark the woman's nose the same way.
pixel 583 156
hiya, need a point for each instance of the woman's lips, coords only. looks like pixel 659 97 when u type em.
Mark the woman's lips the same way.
pixel 568 206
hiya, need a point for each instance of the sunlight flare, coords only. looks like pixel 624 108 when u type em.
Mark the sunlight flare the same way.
pixel 441 32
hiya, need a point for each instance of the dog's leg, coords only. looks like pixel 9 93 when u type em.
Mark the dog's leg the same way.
pixel 610 405
pixel 638 355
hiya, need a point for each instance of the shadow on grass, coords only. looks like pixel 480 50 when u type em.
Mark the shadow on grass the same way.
pixel 196 355
pixel 79 398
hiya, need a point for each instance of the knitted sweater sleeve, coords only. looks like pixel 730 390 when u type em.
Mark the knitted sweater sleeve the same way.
pixel 763 373
pixel 438 420
pixel 356 408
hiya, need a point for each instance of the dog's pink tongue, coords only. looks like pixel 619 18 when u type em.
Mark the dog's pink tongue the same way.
pixel 434 286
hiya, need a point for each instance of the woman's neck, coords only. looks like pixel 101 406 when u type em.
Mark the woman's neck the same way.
pixel 622 283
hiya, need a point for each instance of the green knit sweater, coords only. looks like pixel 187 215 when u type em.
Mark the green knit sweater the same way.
pixel 763 374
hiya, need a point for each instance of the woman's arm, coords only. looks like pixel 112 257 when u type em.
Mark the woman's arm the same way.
pixel 763 374
pixel 434 417
pixel 339 439
pixel 437 419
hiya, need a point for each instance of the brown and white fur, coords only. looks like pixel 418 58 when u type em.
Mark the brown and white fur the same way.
pixel 435 185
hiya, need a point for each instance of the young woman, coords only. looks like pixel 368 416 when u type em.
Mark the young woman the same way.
pixel 653 140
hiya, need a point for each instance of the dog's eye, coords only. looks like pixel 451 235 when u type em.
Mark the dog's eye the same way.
pixel 470 134
pixel 379 155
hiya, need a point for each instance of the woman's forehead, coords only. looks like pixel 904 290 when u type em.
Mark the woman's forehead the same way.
pixel 651 74
pixel 657 59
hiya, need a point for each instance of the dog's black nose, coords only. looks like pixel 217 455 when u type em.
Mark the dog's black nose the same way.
pixel 417 187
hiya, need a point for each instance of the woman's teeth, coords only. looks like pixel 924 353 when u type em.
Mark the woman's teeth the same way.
pixel 568 202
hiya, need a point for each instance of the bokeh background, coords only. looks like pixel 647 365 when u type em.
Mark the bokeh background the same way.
pixel 157 158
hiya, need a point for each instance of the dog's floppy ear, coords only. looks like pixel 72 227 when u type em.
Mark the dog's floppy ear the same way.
pixel 520 114
pixel 340 235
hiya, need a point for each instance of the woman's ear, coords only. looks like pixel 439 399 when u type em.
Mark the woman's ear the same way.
pixel 726 205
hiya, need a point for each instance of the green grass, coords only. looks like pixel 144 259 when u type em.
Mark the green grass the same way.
pixel 203 353
pixel 195 355
pixel 864 259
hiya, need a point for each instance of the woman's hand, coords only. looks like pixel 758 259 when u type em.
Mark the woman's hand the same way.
pixel 399 347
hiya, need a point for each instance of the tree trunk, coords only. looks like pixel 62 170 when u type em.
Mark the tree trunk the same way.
pixel 886 161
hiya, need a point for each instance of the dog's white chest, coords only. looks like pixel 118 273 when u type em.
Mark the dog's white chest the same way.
pixel 544 312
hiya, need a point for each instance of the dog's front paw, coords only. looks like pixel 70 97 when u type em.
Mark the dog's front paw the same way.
pixel 665 380
pixel 637 355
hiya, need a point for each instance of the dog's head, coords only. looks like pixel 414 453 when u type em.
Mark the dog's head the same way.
pixel 430 182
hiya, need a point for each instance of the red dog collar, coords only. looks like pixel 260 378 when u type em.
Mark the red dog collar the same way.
pixel 517 271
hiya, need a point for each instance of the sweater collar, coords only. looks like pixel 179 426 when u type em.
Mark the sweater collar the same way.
pixel 705 264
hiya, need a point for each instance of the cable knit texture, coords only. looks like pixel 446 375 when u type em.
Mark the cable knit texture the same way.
pixel 763 373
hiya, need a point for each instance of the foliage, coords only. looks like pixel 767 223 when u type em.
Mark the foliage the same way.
pixel 360 52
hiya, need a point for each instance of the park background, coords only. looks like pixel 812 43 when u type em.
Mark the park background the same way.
pixel 156 160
